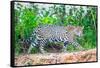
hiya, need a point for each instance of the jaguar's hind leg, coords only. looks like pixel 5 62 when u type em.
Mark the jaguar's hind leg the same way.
pixel 65 47
pixel 42 49
pixel 30 48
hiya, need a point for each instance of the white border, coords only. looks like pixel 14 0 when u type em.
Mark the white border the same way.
pixel 5 33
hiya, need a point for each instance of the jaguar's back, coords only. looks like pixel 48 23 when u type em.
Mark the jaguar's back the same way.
pixel 47 32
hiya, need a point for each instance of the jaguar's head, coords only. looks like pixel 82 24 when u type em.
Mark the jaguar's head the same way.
pixel 76 30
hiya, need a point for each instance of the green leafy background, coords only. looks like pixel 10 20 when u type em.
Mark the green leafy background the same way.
pixel 28 16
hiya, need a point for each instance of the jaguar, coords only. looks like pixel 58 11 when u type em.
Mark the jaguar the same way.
pixel 53 33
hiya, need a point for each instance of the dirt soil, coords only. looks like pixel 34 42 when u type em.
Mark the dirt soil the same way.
pixel 55 58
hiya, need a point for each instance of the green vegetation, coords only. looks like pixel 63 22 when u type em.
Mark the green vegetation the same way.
pixel 31 15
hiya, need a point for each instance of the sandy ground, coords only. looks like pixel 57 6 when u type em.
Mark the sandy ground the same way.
pixel 55 58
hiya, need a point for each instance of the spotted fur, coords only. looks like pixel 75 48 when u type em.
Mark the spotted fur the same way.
pixel 45 34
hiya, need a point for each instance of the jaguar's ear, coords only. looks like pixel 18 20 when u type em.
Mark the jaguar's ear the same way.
pixel 70 27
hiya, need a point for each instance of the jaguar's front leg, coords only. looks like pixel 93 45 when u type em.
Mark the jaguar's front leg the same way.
pixel 77 45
